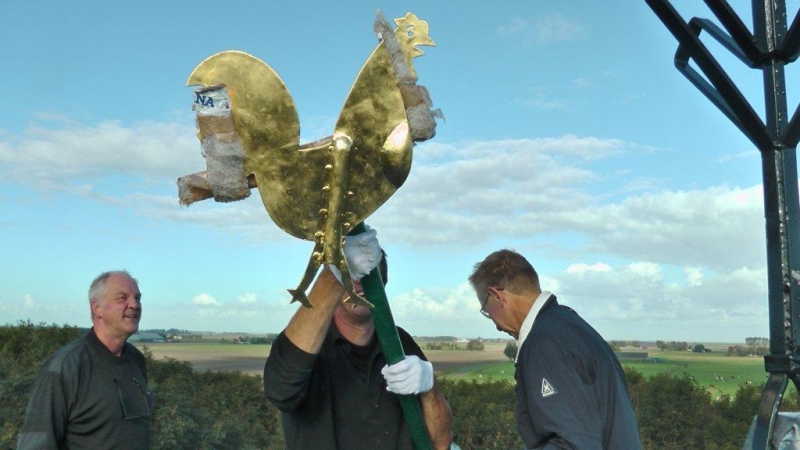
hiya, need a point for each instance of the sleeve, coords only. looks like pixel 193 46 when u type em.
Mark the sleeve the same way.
pixel 560 400
pixel 47 413
pixel 287 373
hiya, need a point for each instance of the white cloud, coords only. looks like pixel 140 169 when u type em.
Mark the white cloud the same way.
pixel 719 228
pixel 204 299
pixel 583 267
pixel 481 191
pixel 248 298
pixel 641 300
pixel 28 301
pixel 49 158
pixel 694 276
pixel 466 192
pixel 549 29
pixel 441 312
pixel 247 218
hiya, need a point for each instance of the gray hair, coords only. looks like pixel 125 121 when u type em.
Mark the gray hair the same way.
pixel 97 289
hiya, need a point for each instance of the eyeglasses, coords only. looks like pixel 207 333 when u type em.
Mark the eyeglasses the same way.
pixel 483 305
pixel 146 396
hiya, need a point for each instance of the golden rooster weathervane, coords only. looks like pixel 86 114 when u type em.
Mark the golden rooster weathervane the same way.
pixel 318 191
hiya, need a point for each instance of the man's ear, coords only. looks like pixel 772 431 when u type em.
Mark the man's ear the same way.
pixel 95 307
pixel 497 294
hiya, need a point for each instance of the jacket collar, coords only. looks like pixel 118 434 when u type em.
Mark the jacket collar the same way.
pixel 545 300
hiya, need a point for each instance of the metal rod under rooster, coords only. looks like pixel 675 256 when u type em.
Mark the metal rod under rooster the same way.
pixel 321 191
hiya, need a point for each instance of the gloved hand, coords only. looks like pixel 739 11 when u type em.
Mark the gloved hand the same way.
pixel 362 253
pixel 410 376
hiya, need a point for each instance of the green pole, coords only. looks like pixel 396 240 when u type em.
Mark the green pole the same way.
pixel 393 350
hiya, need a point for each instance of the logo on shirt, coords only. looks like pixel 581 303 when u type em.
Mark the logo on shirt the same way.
pixel 547 389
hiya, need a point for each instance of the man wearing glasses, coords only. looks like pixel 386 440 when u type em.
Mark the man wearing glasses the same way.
pixel 571 389
pixel 92 393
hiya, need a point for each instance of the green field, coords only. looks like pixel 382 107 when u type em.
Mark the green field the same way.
pixel 496 371
pixel 718 373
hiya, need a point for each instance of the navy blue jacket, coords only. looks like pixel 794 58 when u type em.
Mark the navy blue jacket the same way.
pixel 571 389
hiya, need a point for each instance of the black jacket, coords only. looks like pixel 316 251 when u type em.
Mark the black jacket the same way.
pixel 337 399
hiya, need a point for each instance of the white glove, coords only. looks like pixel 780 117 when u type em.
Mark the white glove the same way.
pixel 362 253
pixel 410 376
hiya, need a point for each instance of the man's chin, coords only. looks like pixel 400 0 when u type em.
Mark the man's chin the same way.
pixel 132 325
pixel 362 311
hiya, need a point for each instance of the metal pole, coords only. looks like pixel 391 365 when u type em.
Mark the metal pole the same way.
pixel 779 169
pixel 393 350
pixel 768 49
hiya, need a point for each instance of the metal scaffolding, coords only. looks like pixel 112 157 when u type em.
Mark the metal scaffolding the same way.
pixel 769 48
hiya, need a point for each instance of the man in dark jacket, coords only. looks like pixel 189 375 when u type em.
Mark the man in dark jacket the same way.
pixel 571 389
pixel 92 393
pixel 327 374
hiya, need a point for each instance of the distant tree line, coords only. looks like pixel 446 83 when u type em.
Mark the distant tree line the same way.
pixel 739 350
pixel 443 346
pixel 437 338
pixel 757 342
pixel 472 345
pixel 227 410
pixel 617 345
pixel 195 338
pixel 673 346
pixel 252 339
pixel 165 331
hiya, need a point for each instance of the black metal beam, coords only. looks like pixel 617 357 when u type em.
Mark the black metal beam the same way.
pixel 792 133
pixel 737 30
pixel 791 43
pixel 723 88
pixel 697 25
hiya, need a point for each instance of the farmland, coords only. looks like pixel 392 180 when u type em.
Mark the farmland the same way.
pixel 718 373
pixel 250 358
pixel 247 359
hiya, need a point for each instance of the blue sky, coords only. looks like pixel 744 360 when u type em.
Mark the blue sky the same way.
pixel 569 136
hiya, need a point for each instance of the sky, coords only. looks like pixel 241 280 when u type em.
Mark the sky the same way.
pixel 568 136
